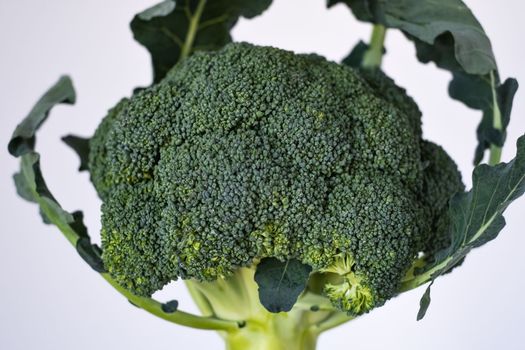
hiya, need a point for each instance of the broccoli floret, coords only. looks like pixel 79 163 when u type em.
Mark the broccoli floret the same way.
pixel 254 152
pixel 388 90
pixel 100 174
pixel 441 180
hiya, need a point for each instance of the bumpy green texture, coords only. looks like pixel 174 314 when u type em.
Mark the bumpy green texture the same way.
pixel 253 152
pixel 439 181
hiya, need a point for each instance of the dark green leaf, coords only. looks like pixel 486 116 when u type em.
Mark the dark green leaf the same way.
pixel 485 132
pixel 81 146
pixel 364 10
pixel 441 52
pixel 30 183
pixel 478 92
pixel 475 91
pixel 91 254
pixel 44 217
pixel 355 57
pixel 424 303
pixel 426 20
pixel 506 93
pixel 35 189
pixel 170 307
pixel 477 216
pixel 78 224
pixel 172 30
pixel 23 139
pixel 23 188
pixel 280 283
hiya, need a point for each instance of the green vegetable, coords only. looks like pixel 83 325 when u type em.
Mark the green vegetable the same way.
pixel 290 193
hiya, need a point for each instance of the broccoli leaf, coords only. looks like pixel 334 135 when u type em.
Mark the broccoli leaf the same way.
pixel 483 93
pixel 170 307
pixel 173 30
pixel 31 186
pixel 355 57
pixel 426 20
pixel 475 91
pixel 280 283
pixel 476 216
pixel 30 183
pixel 81 146
pixel 23 139
pixel 424 303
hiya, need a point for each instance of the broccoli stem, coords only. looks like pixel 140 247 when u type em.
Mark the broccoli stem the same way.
pixel 235 297
pixel 192 29
pixel 495 150
pixel 374 55
pixel 278 334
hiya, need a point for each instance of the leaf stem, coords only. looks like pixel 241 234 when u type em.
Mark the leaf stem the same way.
pixel 495 150
pixel 412 281
pixel 179 317
pixel 374 55
pixel 192 30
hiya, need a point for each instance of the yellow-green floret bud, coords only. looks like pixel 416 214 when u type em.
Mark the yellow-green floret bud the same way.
pixel 345 288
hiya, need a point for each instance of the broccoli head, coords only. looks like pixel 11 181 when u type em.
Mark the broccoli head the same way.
pixel 253 152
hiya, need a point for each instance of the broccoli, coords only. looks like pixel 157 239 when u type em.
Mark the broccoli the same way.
pixel 291 194
pixel 255 152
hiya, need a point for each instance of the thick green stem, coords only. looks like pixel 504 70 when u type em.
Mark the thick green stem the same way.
pixel 374 55
pixel 495 150
pixel 236 298
pixel 277 334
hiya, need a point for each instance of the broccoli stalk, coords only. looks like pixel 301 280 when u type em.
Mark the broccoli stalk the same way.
pixel 279 332
pixel 236 297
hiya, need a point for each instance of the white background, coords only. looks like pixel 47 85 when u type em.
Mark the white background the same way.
pixel 50 299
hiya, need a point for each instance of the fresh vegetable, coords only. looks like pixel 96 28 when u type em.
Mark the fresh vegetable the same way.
pixel 290 193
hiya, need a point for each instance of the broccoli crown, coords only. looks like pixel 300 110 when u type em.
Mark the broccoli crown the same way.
pixel 253 152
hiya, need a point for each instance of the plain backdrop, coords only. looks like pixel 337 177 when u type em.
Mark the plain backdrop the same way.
pixel 50 299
